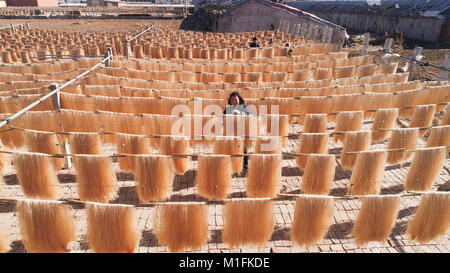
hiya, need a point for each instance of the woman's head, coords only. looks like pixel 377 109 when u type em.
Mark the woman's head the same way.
pixel 235 99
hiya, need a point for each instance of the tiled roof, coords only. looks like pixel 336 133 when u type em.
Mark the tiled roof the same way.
pixel 381 7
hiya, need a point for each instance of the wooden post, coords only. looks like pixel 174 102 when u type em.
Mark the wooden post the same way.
pixel 127 49
pixel 341 40
pixel 387 48
pixel 288 24
pixel 56 99
pixel 68 159
pixel 443 75
pixel 310 31
pixel 367 23
pixel 329 36
pixel 388 44
pixel 365 44
pixel 290 30
pixel 298 27
pixel 323 34
pixel 108 53
pixel 293 28
pixel 412 64
pixel 303 29
pixel 315 33
pixel 281 24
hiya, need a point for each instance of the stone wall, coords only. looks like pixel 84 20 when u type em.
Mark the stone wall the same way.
pixel 256 16
pixel 419 28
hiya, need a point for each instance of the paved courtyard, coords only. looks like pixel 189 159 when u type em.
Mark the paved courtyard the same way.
pixel 337 239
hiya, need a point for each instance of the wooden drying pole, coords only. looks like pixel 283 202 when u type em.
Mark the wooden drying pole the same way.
pixel 279 197
pixel 12 27
pixel 51 94
pixel 417 56
pixel 55 95
pixel 443 75
pixel 365 44
pixel 127 46
pixel 414 59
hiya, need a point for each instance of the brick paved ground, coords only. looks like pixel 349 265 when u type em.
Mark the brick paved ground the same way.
pixel 338 238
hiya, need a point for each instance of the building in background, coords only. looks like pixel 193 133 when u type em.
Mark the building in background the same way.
pixel 73 3
pixel 260 15
pixel 106 3
pixel 167 2
pixel 427 20
pixel 32 3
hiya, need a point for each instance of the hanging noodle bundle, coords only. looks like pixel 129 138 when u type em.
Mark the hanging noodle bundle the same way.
pixel 318 174
pixel 376 218
pixel 4 241
pixel 5 162
pixel 264 175
pixel 347 121
pixel 315 123
pixel 47 143
pixel 181 226
pixel 313 216
pixel 12 138
pixel 251 131
pixel 213 178
pixel 439 136
pixel 432 217
pixel 367 173
pixel 268 145
pixel 354 142
pixel 170 145
pixel 406 98
pixel 130 144
pixel 231 146
pixel 311 143
pixel 422 117
pixel 85 143
pixel 425 167
pixel 445 119
pixel 36 175
pixel 248 222
pixel 112 228
pixel 384 119
pixel 405 138
pixel 373 101
pixel 274 125
pixel 96 178
pixel 154 175
pixel 46 226
pixel 79 121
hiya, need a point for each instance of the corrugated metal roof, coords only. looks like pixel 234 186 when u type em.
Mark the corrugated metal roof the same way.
pixel 413 8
